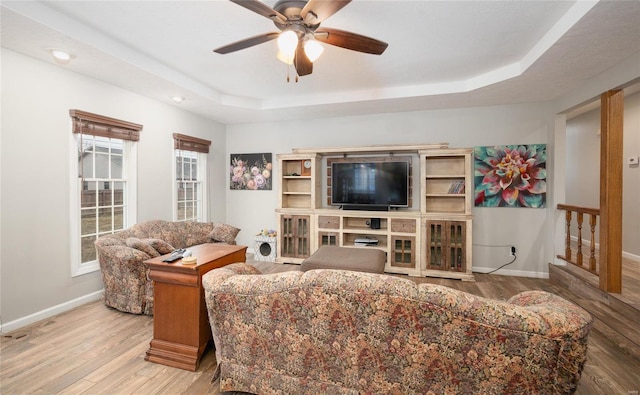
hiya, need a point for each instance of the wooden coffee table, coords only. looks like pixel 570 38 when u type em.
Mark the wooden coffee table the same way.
pixel 181 329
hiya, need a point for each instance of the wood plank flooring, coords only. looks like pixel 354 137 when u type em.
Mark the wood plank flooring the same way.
pixel 96 350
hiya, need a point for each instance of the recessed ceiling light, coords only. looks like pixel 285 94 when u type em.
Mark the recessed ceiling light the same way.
pixel 61 57
pixel 177 99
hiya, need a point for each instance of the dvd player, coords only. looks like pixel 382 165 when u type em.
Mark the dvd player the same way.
pixel 366 241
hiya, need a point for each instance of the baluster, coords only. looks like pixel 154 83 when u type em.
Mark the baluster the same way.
pixel 592 258
pixel 567 243
pixel 579 254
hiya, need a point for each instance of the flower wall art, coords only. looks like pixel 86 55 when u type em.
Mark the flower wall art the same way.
pixel 511 176
pixel 251 172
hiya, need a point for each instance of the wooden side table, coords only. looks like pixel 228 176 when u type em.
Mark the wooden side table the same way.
pixel 181 329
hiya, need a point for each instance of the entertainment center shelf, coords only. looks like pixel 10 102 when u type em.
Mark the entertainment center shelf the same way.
pixel 446 174
pixel 298 188
pixel 393 232
pixel 432 239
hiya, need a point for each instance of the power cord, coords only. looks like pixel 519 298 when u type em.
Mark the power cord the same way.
pixel 513 253
pixel 506 264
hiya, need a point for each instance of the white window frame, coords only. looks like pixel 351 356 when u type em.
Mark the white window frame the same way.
pixel 202 180
pixel 129 173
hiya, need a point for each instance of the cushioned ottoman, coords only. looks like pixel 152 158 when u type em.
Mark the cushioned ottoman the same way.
pixel 365 259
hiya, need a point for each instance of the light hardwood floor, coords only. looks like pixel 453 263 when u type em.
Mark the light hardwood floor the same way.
pixel 96 350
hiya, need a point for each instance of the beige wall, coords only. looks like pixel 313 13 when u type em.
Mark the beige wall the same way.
pixel 34 256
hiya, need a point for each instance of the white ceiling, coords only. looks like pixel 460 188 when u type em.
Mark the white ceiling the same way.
pixel 441 54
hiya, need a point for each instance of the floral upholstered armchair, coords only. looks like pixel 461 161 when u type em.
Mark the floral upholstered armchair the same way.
pixel 346 332
pixel 121 256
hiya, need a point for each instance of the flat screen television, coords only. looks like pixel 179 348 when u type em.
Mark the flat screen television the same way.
pixel 370 185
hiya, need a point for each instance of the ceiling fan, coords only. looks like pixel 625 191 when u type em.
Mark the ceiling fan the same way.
pixel 299 24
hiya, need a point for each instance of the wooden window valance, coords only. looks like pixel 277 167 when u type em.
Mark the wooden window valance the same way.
pixel 99 125
pixel 188 143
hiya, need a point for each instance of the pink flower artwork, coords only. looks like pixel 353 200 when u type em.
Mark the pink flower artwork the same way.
pixel 511 176
pixel 250 172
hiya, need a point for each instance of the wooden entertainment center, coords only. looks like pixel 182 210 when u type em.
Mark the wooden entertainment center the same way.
pixel 430 238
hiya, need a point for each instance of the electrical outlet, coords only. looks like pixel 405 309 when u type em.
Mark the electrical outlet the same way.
pixel 509 252
pixel 513 250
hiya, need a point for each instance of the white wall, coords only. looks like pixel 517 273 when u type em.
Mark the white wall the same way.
pixel 631 178
pixel 35 249
pixel 467 127
pixel 583 169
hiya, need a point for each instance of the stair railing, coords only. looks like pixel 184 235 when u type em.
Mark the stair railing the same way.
pixel 593 214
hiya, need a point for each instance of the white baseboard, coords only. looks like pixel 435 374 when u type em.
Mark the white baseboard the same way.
pixel 587 243
pixel 630 256
pixel 49 312
pixel 515 273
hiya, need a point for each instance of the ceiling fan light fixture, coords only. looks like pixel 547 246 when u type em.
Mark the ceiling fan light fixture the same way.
pixel 313 49
pixel 285 58
pixel 287 43
pixel 299 24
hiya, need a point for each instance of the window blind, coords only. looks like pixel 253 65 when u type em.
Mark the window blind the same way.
pixel 99 125
pixel 188 143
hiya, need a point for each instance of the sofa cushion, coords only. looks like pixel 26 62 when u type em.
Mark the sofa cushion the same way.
pixel 224 233
pixel 138 244
pixel 159 245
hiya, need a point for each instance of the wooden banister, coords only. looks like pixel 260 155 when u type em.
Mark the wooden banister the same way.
pixel 585 210
pixel 593 214
pixel 611 136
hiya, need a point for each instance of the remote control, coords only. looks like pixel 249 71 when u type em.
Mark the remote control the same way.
pixel 175 255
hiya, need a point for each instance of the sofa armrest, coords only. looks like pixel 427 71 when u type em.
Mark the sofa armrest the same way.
pixel 569 324
pixel 121 256
pixel 561 316
pixel 217 276
pixel 212 283
pixel 532 311
pixel 125 278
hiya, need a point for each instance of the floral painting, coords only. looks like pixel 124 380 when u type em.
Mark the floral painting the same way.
pixel 251 171
pixel 511 176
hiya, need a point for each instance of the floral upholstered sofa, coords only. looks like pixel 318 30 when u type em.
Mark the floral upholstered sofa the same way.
pixel 121 256
pixel 346 332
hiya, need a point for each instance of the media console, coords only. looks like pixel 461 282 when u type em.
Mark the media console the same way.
pixel 430 237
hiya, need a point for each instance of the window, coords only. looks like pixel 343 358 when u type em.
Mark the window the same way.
pixel 190 193
pixel 103 198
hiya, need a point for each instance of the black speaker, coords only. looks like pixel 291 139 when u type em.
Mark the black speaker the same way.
pixel 375 223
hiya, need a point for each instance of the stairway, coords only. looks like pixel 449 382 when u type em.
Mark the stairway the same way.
pixel 616 317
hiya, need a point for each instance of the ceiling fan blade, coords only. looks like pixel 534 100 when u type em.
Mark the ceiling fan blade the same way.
pixel 316 11
pixel 246 43
pixel 262 9
pixel 301 62
pixel 352 41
